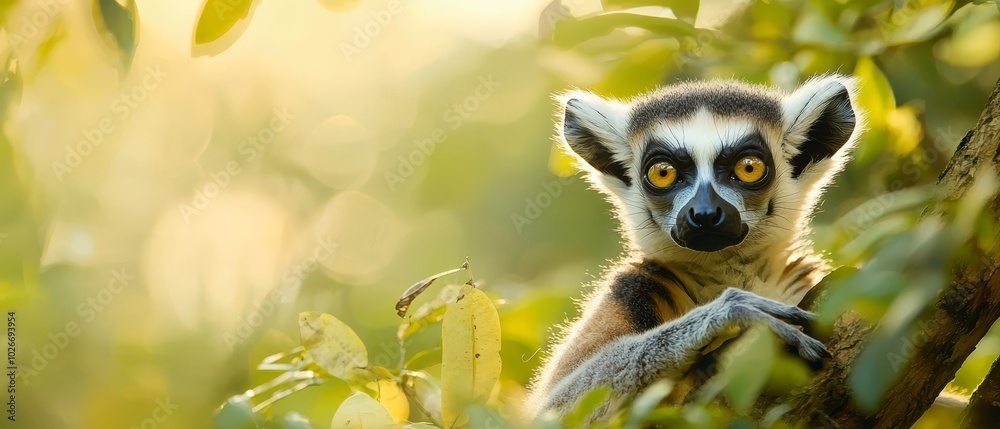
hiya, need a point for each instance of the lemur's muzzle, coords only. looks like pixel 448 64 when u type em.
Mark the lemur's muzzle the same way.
pixel 708 222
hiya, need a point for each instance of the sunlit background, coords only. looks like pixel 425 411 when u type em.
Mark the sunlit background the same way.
pixel 166 216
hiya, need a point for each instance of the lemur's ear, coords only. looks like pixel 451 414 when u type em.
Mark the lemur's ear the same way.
pixel 595 129
pixel 820 124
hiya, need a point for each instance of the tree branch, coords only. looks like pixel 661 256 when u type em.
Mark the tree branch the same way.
pixel 984 407
pixel 957 321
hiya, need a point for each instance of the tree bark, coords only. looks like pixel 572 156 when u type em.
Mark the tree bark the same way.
pixel 984 407
pixel 957 320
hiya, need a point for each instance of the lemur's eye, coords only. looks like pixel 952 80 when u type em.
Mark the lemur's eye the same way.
pixel 661 174
pixel 750 169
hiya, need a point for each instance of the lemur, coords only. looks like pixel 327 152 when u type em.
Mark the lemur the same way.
pixel 714 184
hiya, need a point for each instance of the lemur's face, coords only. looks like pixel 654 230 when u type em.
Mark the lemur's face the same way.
pixel 712 166
pixel 706 191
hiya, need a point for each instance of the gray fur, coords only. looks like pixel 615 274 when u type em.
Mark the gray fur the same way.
pixel 722 98
pixel 631 363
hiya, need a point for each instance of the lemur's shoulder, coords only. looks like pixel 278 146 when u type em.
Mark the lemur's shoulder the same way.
pixel 649 293
pixel 632 297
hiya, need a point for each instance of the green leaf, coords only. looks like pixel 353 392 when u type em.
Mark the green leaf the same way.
pixel 360 411
pixel 815 28
pixel 684 9
pixel 753 355
pixel 877 367
pixel 21 249
pixel 234 414
pixel 920 25
pixel 220 24
pixel 586 406
pixel 470 359
pixel 483 417
pixel 646 402
pixel 11 84
pixel 332 344
pixel 571 32
pixel 118 25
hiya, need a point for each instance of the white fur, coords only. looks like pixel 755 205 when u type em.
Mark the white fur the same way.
pixel 609 118
pixel 801 109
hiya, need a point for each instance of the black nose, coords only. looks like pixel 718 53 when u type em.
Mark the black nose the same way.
pixel 708 222
pixel 704 216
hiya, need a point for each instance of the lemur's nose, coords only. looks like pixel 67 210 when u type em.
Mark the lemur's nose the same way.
pixel 705 216
pixel 708 222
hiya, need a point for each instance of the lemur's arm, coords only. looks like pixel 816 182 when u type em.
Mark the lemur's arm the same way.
pixel 631 362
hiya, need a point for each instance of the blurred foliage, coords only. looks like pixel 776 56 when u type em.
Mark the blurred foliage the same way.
pixel 176 193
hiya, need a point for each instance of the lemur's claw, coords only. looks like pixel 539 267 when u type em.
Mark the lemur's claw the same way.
pixel 745 308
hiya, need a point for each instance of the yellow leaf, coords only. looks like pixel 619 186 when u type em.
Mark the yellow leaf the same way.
pixel 470 361
pixel 875 97
pixel 332 344
pixel 392 398
pixel 977 46
pixel 874 94
pixel 360 411
pixel 905 129
pixel 220 23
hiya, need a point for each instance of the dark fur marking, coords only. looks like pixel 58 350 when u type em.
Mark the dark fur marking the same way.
pixel 800 287
pixel 792 265
pixel 718 97
pixel 770 207
pixel 828 134
pixel 762 270
pixel 585 143
pixel 802 274
pixel 635 290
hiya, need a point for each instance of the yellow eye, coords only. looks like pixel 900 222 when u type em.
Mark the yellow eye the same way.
pixel 661 175
pixel 750 169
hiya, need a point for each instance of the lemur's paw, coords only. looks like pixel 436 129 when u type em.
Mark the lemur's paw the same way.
pixel 745 308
